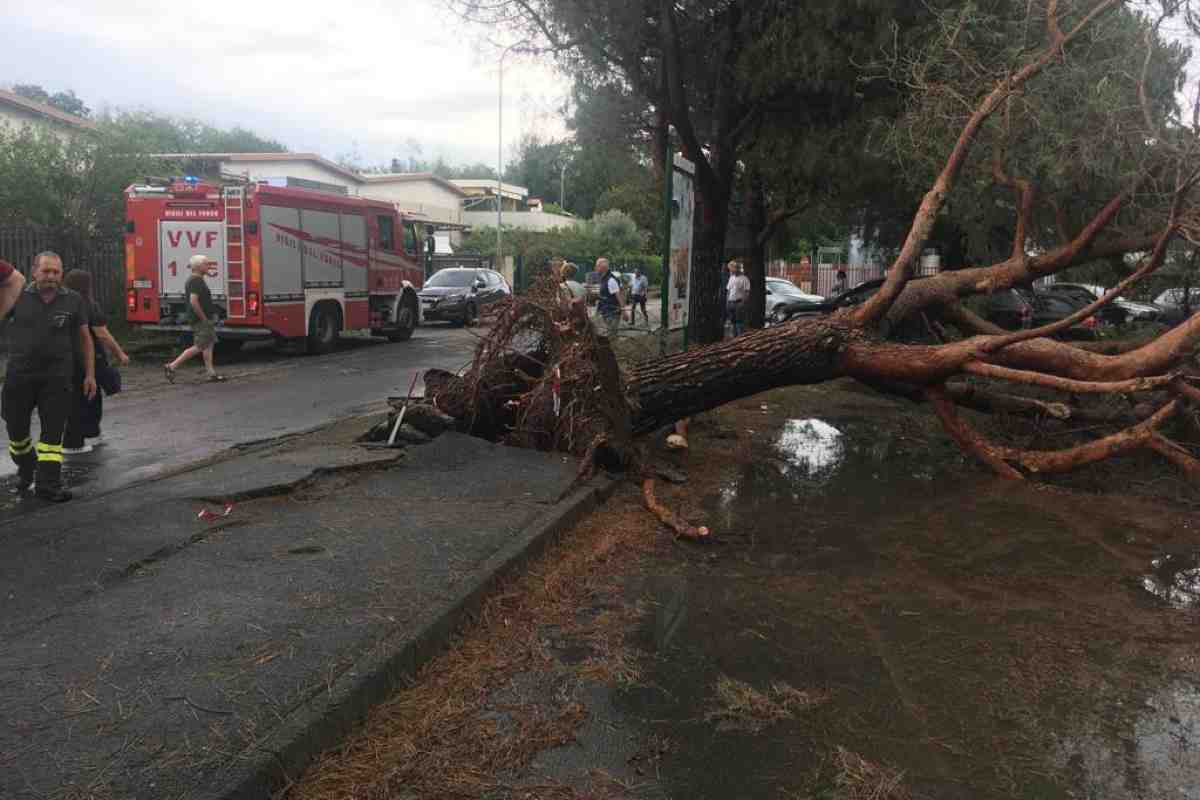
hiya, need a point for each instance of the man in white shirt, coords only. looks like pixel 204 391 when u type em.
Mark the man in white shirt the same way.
pixel 737 292
pixel 637 292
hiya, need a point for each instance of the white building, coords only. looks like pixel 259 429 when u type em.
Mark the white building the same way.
pixel 422 193
pixel 522 220
pixel 273 168
pixel 17 112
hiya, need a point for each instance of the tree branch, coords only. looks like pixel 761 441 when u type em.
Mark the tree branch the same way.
pixel 901 271
pixel 1066 384
pixel 677 96
pixel 966 437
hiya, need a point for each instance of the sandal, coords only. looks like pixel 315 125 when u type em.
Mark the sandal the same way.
pixel 216 378
pixel 170 371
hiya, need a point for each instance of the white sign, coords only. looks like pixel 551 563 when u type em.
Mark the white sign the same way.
pixel 683 210
pixel 178 242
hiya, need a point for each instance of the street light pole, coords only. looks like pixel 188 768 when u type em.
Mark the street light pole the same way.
pixel 500 156
pixel 562 188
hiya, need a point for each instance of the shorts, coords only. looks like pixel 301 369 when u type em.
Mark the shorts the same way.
pixel 607 326
pixel 204 334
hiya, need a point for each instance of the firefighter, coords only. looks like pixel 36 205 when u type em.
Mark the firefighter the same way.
pixel 47 323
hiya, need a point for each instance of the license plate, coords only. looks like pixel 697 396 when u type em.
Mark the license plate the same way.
pixel 143 284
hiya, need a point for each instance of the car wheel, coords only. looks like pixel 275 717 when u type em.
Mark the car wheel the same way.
pixel 322 330
pixel 471 316
pixel 778 315
pixel 406 321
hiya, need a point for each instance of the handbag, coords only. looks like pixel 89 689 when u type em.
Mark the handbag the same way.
pixel 108 377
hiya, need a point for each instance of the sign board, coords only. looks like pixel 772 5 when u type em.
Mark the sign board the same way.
pixel 683 210
pixel 178 242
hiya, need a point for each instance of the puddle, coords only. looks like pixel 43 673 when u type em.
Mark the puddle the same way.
pixel 1175 579
pixel 934 605
pixel 1157 755
pixel 811 446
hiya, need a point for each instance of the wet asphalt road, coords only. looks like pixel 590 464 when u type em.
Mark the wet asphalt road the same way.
pixel 156 428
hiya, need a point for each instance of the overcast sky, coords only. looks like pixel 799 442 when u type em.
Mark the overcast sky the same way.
pixel 334 78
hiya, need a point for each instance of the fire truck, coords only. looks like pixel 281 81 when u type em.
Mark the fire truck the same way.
pixel 289 263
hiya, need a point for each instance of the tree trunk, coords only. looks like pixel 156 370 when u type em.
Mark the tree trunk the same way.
pixel 756 266
pixel 707 314
pixel 685 384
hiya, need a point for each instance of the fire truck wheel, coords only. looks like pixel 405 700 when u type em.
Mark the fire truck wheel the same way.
pixel 323 329
pixel 406 322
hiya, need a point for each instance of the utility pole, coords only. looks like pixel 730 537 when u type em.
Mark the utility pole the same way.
pixel 499 265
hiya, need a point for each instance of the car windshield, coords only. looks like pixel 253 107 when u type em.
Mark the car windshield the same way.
pixel 454 278
pixel 784 287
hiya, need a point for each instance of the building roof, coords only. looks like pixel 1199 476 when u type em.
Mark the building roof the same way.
pixel 414 177
pixel 251 157
pixel 43 110
pixel 488 186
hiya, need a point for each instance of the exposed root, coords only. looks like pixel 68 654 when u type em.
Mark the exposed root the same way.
pixel 681 527
pixel 541 378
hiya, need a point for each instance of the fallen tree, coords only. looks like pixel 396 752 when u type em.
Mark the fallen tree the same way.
pixel 542 378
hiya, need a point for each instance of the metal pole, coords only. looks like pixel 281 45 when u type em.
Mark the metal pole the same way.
pixel 562 188
pixel 668 198
pixel 499 265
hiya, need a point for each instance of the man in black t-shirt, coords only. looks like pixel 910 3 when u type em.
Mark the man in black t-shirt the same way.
pixel 48 325
pixel 202 314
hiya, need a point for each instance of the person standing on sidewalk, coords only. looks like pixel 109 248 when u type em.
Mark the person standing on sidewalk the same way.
pixel 202 314
pixel 637 292
pixel 48 327
pixel 737 291
pixel 611 305
pixel 83 421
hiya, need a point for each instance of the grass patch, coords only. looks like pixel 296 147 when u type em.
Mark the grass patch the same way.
pixel 741 707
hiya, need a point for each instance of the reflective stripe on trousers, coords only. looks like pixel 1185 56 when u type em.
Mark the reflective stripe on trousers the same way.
pixel 49 452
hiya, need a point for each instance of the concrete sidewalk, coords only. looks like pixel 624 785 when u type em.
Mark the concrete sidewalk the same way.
pixel 146 653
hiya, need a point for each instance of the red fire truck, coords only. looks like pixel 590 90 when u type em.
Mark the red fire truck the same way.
pixel 291 263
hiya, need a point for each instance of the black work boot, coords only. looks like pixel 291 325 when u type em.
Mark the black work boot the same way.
pixel 49 482
pixel 25 468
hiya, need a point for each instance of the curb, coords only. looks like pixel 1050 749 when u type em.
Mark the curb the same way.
pixel 326 718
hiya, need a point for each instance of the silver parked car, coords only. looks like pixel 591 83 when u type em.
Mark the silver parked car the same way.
pixel 785 297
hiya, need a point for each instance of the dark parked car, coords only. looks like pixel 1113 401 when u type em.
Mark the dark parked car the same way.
pixel 912 329
pixel 1049 308
pixel 1008 308
pixel 461 295
pixel 1111 314
pixel 1017 309
pixel 1174 308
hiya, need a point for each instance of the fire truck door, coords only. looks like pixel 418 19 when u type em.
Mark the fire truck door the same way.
pixel 178 242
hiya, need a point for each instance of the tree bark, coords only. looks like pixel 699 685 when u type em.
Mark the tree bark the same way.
pixel 688 383
pixel 756 266
pixel 706 314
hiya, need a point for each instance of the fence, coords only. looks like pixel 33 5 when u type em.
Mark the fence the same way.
pixel 819 279
pixel 103 257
